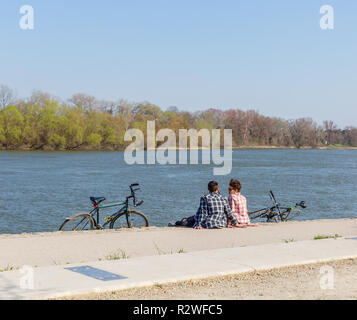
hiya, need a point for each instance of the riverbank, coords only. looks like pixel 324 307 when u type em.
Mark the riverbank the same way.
pixel 301 148
pixel 48 249
pixel 248 147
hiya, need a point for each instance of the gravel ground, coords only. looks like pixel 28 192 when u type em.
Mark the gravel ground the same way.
pixel 296 282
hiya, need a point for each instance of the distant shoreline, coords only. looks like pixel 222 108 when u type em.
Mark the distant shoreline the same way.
pixel 178 149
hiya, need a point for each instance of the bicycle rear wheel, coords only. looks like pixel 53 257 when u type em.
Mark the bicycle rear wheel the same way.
pixel 272 217
pixel 134 219
pixel 258 214
pixel 78 222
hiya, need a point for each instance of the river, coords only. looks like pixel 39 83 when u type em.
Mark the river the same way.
pixel 38 190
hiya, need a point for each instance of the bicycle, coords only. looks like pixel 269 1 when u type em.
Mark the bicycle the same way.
pixel 124 217
pixel 277 212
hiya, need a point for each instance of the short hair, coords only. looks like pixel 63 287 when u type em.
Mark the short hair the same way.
pixel 235 185
pixel 213 186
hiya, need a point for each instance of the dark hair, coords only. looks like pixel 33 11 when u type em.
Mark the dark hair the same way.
pixel 235 185
pixel 213 186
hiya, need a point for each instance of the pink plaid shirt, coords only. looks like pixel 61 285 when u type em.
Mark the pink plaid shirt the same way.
pixel 239 208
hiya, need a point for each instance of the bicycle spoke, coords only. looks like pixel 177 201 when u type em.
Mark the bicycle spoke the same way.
pixel 136 221
pixel 79 222
pixel 133 219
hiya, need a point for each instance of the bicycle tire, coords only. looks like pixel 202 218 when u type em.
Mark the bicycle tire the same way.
pixel 122 222
pixel 258 214
pixel 273 218
pixel 292 214
pixel 87 222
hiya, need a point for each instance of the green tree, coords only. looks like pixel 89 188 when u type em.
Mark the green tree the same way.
pixel 94 140
pixel 73 127
pixel 11 123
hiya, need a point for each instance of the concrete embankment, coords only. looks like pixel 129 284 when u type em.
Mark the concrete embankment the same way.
pixel 48 249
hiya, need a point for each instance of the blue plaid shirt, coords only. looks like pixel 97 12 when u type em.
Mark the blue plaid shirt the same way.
pixel 213 212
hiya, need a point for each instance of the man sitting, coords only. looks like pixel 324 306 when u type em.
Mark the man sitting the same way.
pixel 214 210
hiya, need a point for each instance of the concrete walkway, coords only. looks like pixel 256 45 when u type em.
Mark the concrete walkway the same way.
pixel 59 281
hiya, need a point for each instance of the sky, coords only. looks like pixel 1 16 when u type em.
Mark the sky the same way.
pixel 270 56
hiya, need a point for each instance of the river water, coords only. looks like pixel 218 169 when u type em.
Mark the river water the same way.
pixel 38 190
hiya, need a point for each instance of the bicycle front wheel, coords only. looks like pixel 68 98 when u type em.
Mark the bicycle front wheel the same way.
pixel 78 222
pixel 290 214
pixel 134 219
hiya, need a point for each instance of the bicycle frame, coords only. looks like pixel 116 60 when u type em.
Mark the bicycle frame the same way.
pixel 277 211
pixel 93 217
pixel 96 211
pixel 276 204
pixel 124 208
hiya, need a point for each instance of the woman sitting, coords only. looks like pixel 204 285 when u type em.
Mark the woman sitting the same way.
pixel 238 205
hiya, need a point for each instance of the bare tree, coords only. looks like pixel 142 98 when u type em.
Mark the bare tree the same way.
pixel 303 132
pixel 83 100
pixel 106 106
pixel 330 129
pixel 6 96
pixel 39 97
pixel 351 136
pixel 173 109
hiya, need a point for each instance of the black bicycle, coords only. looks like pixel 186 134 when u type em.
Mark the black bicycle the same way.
pixel 277 212
pixel 122 218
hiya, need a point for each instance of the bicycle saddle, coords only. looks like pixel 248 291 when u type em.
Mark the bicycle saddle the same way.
pixel 97 200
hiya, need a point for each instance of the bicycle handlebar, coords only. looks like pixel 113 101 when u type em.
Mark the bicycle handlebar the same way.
pixel 132 195
pixel 140 203
pixel 301 204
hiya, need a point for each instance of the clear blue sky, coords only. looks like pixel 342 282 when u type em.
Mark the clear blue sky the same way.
pixel 270 56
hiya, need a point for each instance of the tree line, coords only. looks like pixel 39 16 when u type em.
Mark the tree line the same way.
pixel 44 122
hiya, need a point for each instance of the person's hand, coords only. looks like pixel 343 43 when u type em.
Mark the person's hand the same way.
pixel 198 228
pixel 240 226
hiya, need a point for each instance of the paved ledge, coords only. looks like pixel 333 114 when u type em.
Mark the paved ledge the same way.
pixel 58 281
pixel 58 248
